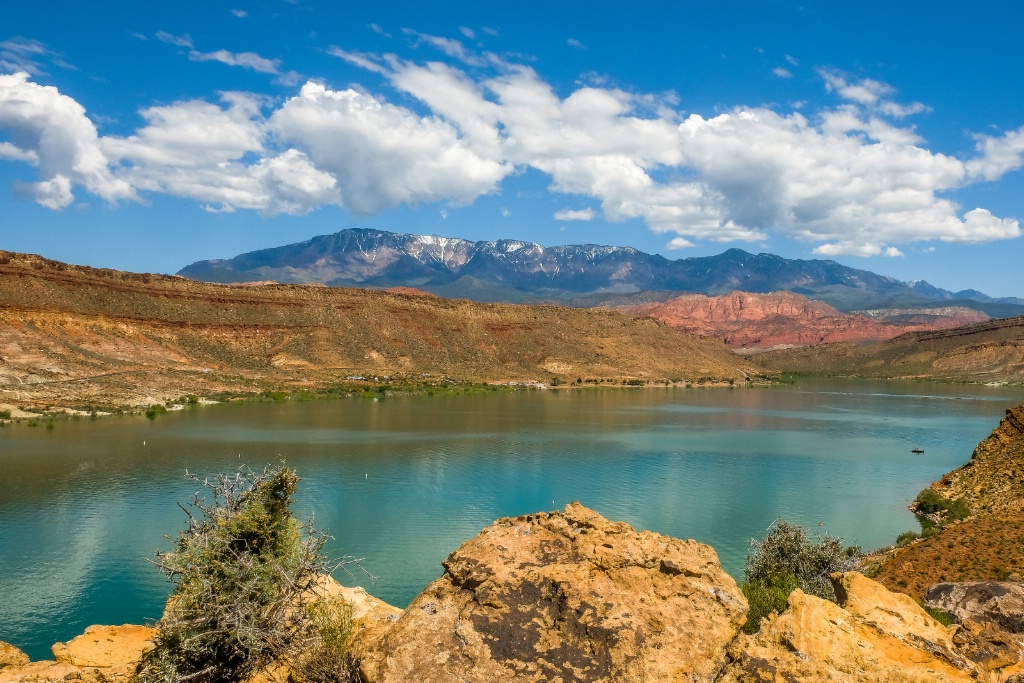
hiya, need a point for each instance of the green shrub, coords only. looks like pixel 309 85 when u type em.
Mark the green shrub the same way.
pixel 939 616
pixel 244 567
pixel 154 410
pixel 5 415
pixel 786 559
pixel 929 502
pixel 906 538
pixel 324 656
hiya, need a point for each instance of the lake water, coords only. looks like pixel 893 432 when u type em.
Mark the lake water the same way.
pixel 403 481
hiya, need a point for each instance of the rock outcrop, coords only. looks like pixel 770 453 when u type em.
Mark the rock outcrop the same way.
pixel 566 596
pixel 11 656
pixel 103 654
pixel 1000 603
pixel 569 596
pixel 873 635
pixel 745 320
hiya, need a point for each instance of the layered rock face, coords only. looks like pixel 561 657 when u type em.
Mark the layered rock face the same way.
pixel 566 596
pixel 761 321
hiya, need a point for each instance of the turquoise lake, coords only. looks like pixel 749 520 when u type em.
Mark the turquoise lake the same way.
pixel 403 481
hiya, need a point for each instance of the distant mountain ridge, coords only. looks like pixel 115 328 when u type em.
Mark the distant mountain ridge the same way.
pixel 525 272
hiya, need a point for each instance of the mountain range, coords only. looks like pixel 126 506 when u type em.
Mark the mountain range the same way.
pixel 513 271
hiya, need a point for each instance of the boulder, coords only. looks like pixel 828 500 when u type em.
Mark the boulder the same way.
pixel 11 656
pixel 875 636
pixel 118 648
pixel 565 596
pixel 1000 603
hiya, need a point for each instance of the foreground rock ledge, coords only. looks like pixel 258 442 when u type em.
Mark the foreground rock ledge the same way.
pixel 569 596
pixel 563 597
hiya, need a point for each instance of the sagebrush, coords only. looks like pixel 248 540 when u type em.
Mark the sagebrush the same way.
pixel 246 572
pixel 787 559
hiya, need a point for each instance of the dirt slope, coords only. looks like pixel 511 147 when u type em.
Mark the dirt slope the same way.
pixel 70 333
pixel 991 351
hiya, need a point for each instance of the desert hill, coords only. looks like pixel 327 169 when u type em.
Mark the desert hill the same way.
pixel 745 320
pixel 72 335
pixel 991 351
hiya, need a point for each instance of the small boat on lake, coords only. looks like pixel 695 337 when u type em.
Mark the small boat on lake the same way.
pixel 917 450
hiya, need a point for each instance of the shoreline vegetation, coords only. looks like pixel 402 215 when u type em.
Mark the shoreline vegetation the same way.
pixel 373 388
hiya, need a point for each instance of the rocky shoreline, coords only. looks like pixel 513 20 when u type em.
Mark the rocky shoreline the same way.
pixel 571 596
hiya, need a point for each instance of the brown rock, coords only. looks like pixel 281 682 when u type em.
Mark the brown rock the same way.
pixel 114 650
pixel 48 671
pixel 11 656
pixel 816 640
pixel 1000 603
pixel 988 646
pixel 565 597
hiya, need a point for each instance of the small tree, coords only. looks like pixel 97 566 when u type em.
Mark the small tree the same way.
pixel 245 570
pixel 785 560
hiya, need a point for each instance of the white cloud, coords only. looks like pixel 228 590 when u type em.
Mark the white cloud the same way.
pixel 572 42
pixel 782 72
pixel 575 215
pixel 998 155
pixel 52 131
pixel 382 155
pixel 379 31
pixel 853 179
pixel 869 93
pixel 793 61
pixel 240 13
pixel 13 153
pixel 21 54
pixel 679 243
pixel 452 48
pixel 246 60
pixel 171 39
pixel 468 32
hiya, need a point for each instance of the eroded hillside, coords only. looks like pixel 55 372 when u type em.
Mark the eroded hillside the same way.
pixel 745 320
pixel 71 334
pixel 991 351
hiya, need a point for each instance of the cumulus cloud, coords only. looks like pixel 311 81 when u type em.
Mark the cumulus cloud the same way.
pixel 51 131
pixel 575 215
pixel 869 93
pixel 998 155
pixel 679 243
pixel 854 178
pixel 572 42
pixel 382 155
pixel 782 72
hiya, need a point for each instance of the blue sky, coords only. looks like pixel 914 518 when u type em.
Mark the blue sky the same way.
pixel 888 136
